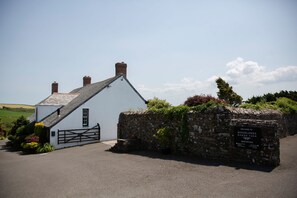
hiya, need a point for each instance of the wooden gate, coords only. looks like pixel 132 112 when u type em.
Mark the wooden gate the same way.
pixel 79 135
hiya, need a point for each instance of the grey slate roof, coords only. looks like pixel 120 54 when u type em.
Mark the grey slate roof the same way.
pixel 84 94
pixel 58 99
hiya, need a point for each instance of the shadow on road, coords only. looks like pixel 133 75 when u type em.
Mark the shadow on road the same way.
pixel 6 146
pixel 199 161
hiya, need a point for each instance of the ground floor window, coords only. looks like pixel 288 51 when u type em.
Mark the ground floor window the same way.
pixel 85 117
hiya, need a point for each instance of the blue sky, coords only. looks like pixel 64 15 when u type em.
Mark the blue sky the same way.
pixel 174 49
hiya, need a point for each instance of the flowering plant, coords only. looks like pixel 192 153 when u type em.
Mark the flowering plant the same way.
pixel 30 145
pixel 32 138
pixel 38 128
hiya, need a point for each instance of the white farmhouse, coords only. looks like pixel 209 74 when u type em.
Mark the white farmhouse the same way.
pixel 89 113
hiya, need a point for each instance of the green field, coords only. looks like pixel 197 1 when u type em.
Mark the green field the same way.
pixel 16 106
pixel 10 113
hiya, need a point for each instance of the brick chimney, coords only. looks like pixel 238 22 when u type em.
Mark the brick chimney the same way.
pixel 55 86
pixel 86 80
pixel 121 69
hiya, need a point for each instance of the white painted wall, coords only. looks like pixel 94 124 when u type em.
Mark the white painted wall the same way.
pixel 41 111
pixel 104 108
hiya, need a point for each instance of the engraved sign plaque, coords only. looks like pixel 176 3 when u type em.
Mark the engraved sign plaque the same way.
pixel 247 137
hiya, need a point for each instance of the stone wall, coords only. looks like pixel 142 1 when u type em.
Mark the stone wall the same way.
pixel 211 134
pixel 290 124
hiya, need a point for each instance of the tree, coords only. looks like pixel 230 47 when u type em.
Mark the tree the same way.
pixel 226 93
pixel 269 97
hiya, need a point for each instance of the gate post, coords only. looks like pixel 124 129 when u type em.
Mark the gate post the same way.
pixel 58 136
pixel 98 131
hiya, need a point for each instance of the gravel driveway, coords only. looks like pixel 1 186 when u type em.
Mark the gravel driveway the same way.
pixel 90 171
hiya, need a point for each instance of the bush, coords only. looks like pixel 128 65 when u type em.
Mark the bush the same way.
pixel 156 103
pixel 45 148
pixel 40 131
pixel 21 134
pixel 20 131
pixel 30 145
pixel 38 128
pixel 260 106
pixel 32 138
pixel 21 121
pixel 206 106
pixel 287 105
pixel 202 99
pixel 164 136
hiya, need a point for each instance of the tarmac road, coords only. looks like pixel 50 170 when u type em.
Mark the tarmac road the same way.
pixel 90 171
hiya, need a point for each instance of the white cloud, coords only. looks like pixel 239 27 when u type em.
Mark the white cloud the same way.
pixel 240 71
pixel 176 93
pixel 287 73
pixel 248 78
pixel 186 84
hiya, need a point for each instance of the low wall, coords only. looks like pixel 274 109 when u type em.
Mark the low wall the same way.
pixel 236 135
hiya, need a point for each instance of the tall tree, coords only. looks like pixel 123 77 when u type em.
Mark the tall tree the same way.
pixel 226 93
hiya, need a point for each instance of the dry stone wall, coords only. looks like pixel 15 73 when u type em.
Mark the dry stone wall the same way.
pixel 227 134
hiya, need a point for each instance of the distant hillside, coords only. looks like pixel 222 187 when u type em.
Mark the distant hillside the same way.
pixel 16 106
pixel 11 112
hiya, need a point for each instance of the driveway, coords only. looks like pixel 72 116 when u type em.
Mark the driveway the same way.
pixel 91 171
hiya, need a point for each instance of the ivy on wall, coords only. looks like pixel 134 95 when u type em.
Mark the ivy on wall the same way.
pixel 180 115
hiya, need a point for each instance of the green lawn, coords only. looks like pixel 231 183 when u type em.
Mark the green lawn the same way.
pixel 8 115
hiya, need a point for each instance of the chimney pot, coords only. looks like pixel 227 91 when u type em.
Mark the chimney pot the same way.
pixel 121 69
pixel 55 87
pixel 86 80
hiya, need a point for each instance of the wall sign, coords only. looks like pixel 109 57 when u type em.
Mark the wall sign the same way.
pixel 247 137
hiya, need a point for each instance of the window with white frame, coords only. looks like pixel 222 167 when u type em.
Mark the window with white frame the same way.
pixel 85 117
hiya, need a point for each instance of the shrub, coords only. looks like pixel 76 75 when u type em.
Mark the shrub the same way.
pixel 20 131
pixel 40 131
pixel 164 137
pixel 11 137
pixel 32 138
pixel 30 145
pixel 176 112
pixel 156 103
pixel 45 148
pixel 202 99
pixel 260 106
pixel 21 121
pixel 287 105
pixel 38 128
pixel 206 106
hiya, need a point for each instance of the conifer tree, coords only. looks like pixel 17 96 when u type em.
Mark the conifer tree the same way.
pixel 226 93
